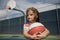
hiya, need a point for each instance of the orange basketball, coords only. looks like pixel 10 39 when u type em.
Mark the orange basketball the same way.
pixel 38 29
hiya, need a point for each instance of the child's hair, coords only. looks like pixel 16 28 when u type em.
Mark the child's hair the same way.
pixel 34 11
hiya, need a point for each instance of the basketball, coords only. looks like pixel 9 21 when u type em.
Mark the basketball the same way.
pixel 36 28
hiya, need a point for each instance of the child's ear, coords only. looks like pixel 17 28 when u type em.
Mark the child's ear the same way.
pixel 36 16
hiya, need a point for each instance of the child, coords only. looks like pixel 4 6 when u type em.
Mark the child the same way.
pixel 33 17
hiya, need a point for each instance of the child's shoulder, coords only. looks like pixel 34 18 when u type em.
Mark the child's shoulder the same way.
pixel 26 25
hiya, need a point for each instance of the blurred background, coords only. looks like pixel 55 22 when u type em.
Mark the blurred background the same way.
pixel 11 25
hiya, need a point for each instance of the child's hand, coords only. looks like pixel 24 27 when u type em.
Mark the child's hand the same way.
pixel 38 35
pixel 35 36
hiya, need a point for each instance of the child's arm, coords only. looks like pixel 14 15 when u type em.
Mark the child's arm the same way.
pixel 25 32
pixel 44 34
pixel 28 35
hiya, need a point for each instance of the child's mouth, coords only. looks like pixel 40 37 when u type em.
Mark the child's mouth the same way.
pixel 29 18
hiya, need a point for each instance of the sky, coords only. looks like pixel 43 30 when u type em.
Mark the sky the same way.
pixel 23 5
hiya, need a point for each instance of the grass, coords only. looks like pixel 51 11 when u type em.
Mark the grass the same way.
pixel 51 39
pixel 22 38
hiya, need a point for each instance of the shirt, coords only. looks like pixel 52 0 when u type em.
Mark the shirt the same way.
pixel 28 27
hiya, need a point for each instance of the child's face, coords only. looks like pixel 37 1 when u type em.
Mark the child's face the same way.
pixel 31 16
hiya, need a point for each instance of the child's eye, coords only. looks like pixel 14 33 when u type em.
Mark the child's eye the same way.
pixel 31 14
